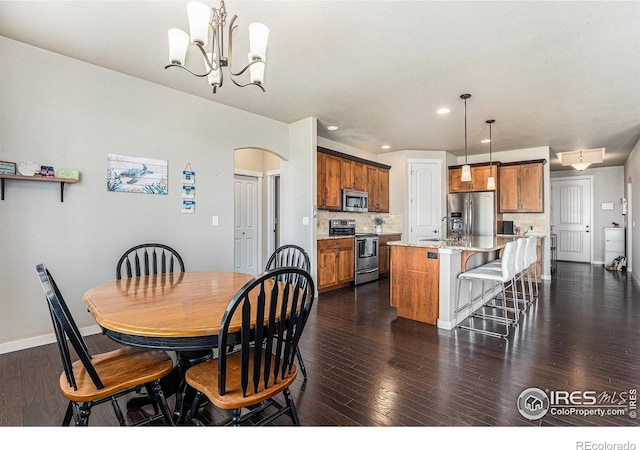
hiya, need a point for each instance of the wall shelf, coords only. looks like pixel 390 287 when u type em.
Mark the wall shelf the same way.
pixel 62 182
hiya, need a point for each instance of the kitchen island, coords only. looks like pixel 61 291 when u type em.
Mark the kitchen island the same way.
pixel 424 275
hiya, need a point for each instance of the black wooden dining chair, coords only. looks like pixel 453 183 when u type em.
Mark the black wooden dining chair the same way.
pixel 148 259
pixel 267 317
pixel 291 256
pixel 96 379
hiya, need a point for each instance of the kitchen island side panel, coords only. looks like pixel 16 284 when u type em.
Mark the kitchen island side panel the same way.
pixel 415 283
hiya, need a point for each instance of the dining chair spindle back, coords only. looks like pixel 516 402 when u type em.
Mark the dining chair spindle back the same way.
pixel 100 378
pixel 291 256
pixel 148 259
pixel 267 317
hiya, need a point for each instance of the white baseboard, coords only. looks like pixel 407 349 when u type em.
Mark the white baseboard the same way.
pixel 37 341
pixel 635 279
pixel 596 263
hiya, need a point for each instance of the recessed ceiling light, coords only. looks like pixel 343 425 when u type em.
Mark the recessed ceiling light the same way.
pixel 485 141
pixel 443 111
pixel 332 128
pixel 386 147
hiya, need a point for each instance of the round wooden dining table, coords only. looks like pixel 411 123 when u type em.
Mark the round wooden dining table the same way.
pixel 178 312
pixel 174 311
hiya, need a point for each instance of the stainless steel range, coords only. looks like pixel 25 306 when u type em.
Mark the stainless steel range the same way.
pixel 366 258
pixel 366 250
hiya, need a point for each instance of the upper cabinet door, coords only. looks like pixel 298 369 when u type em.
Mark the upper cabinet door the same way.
pixel 531 199
pixel 455 183
pixel 329 182
pixel 521 188
pixel 509 196
pixel 383 190
pixel 479 177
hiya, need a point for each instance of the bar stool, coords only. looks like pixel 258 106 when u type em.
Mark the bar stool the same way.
pixel 532 267
pixel 500 282
pixel 521 262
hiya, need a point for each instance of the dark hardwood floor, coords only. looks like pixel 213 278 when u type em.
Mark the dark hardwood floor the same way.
pixel 368 368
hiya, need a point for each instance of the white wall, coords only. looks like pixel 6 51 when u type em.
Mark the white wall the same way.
pixel 632 175
pixel 69 114
pixel 298 189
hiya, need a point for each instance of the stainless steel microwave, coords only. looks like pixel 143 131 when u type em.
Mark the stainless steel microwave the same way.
pixel 355 201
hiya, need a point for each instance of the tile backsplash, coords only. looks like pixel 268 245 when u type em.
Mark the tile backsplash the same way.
pixel 364 221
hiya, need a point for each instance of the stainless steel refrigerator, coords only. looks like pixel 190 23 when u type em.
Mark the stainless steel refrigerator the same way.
pixel 472 213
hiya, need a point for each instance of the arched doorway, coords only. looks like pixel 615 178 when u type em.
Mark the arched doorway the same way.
pixel 256 208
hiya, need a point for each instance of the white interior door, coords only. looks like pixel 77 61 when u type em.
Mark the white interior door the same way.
pixel 425 196
pixel 246 224
pixel 571 217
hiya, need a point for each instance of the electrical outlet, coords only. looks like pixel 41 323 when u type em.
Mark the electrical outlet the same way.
pixel 214 221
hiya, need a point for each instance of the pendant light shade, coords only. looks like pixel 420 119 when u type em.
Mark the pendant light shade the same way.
pixel 466 169
pixel 491 181
pixel 466 173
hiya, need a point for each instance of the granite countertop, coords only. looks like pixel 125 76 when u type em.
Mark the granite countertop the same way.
pixel 473 243
pixel 322 237
pixel 525 234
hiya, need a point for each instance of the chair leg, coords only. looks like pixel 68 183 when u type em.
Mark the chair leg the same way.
pixel 301 363
pixel 293 412
pixel 195 405
pixel 235 420
pixel 161 401
pixel 118 412
pixel 68 415
pixel 84 413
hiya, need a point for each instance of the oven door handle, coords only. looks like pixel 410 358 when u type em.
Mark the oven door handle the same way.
pixel 367 271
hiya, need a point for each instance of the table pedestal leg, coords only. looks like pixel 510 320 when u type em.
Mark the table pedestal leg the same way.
pixel 185 393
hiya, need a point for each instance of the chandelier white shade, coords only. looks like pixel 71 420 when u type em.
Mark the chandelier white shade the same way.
pixel 466 169
pixel 581 159
pixel 207 32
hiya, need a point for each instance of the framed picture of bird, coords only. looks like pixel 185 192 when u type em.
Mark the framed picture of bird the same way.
pixel 137 174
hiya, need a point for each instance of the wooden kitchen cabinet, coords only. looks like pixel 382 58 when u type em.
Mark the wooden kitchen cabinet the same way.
pixel 354 175
pixel 329 194
pixel 384 252
pixel 336 264
pixel 479 176
pixel 378 189
pixel 521 187
pixel 338 171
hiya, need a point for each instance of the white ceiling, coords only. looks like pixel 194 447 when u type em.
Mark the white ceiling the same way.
pixel 559 74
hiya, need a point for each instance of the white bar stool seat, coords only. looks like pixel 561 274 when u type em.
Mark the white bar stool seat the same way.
pixel 499 281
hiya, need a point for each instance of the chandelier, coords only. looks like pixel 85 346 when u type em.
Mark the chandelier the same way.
pixel 208 32
pixel 581 159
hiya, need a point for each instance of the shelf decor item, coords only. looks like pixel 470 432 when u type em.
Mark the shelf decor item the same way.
pixel 47 171
pixel 28 168
pixel 7 168
pixel 72 174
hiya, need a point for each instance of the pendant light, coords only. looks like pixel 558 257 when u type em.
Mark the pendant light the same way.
pixel 466 169
pixel 491 182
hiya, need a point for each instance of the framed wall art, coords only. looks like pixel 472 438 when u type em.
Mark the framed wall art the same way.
pixel 137 174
